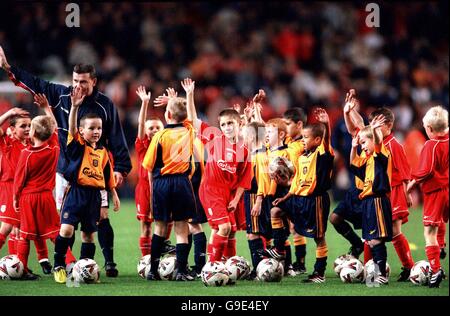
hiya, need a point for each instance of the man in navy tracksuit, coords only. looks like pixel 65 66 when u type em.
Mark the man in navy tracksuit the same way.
pixel 113 138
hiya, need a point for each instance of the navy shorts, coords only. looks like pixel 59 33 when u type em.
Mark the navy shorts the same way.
pixel 258 225
pixel 200 215
pixel 377 218
pixel 309 214
pixel 173 198
pixel 350 209
pixel 82 205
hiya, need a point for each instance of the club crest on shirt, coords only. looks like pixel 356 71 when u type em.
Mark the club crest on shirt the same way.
pixel 95 162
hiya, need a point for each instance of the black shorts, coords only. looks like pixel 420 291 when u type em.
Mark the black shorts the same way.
pixel 377 218
pixel 258 225
pixel 173 198
pixel 200 215
pixel 82 205
pixel 309 214
pixel 350 209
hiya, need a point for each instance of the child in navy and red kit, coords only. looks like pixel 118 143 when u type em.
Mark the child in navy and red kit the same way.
pixel 227 174
pixel 432 174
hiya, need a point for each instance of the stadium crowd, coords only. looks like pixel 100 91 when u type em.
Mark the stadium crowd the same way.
pixel 301 54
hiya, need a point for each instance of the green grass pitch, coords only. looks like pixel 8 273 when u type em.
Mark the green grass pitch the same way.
pixel 127 253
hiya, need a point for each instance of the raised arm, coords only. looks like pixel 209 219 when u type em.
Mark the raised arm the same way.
pixel 143 112
pixel 10 113
pixel 32 83
pixel 77 98
pixel 375 125
pixel 355 144
pixel 189 86
pixel 322 117
pixel 41 101
pixel 353 120
pixel 257 107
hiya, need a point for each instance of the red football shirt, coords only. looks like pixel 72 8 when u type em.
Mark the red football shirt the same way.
pixel 227 164
pixel 401 171
pixel 10 149
pixel 36 168
pixel 433 165
pixel 141 146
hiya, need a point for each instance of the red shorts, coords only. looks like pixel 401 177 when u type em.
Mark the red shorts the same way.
pixel 399 204
pixel 38 216
pixel 7 212
pixel 435 207
pixel 142 198
pixel 239 215
pixel 215 202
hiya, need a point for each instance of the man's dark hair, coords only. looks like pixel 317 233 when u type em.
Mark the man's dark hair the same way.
pixel 84 69
pixel 317 129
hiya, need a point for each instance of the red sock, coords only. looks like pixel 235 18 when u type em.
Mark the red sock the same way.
pixel 440 235
pixel 70 257
pixel 2 240
pixel 433 257
pixel 169 230
pixel 219 244
pixel 230 249
pixel 41 249
pixel 367 252
pixel 145 244
pixel 23 250
pixel 12 244
pixel 401 246
pixel 209 252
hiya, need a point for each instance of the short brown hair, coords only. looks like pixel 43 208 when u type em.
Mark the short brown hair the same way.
pixel 89 116
pixel 317 129
pixel 43 126
pixel 232 113
pixel 387 113
pixel 13 119
pixel 85 68
pixel 279 123
pixel 177 107
pixel 259 130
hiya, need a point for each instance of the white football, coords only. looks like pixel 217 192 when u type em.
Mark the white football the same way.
pixel 214 274
pixel 86 270
pixel 11 267
pixel 371 270
pixel 282 167
pixel 168 268
pixel 420 273
pixel 338 263
pixel 352 271
pixel 270 270
pixel 143 266
pixel 238 268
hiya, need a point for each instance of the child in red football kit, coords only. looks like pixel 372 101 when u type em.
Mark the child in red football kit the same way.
pixel 432 173
pixel 11 146
pixel 34 182
pixel 227 174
